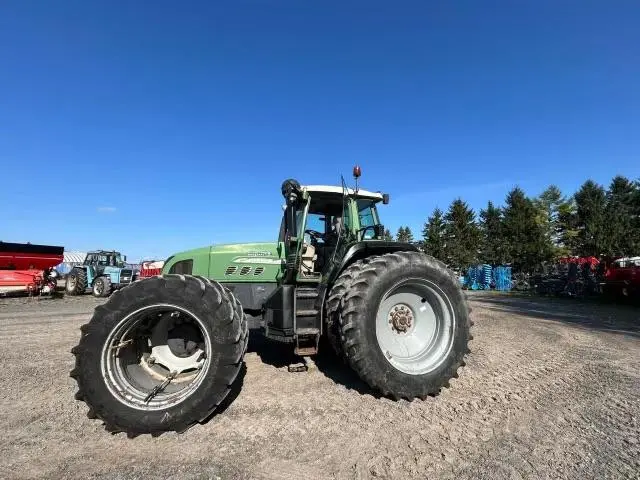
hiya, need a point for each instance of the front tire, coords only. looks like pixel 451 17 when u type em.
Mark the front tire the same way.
pixel 101 287
pixel 145 333
pixel 405 325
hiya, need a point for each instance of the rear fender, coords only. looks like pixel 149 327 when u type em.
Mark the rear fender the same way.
pixel 366 248
pixel 361 250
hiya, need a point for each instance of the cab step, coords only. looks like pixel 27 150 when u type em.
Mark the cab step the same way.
pixel 307 321
pixel 307 293
pixel 307 340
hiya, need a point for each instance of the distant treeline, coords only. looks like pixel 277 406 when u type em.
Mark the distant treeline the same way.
pixel 527 231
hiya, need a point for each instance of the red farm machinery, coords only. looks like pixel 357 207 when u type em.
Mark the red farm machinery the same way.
pixel 150 268
pixel 28 268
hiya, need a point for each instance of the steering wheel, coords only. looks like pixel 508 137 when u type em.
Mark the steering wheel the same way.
pixel 315 234
pixel 363 231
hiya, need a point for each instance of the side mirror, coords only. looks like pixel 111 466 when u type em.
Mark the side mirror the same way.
pixel 385 199
pixel 124 258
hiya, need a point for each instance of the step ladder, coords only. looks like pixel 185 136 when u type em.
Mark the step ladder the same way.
pixel 307 324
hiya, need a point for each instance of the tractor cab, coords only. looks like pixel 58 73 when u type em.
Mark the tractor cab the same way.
pixel 101 259
pixel 320 222
pixel 324 228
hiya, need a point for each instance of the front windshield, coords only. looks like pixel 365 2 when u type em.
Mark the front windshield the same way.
pixel 107 260
pixel 368 217
pixel 103 260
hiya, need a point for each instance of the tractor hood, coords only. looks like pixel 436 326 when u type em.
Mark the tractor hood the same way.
pixel 234 262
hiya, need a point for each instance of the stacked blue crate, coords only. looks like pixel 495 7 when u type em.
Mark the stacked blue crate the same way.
pixel 486 276
pixel 472 278
pixel 502 278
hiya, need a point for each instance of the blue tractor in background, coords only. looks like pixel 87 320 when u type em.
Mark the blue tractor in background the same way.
pixel 102 271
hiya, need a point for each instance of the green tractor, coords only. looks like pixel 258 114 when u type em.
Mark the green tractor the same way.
pixel 163 353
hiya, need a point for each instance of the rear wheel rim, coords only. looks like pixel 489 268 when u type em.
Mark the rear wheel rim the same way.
pixel 71 283
pixel 415 326
pixel 144 349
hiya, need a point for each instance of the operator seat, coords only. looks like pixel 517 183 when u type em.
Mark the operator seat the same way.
pixel 308 258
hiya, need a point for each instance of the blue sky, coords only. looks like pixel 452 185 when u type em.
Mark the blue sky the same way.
pixel 152 127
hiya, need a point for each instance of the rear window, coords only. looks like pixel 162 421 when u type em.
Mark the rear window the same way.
pixel 184 267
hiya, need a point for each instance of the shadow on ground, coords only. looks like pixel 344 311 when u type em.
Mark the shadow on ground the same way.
pixel 280 355
pixel 623 319
pixel 236 388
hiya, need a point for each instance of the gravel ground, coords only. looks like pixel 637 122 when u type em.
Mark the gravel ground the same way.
pixel 551 390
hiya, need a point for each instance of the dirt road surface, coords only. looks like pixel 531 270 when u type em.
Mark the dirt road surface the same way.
pixel 551 390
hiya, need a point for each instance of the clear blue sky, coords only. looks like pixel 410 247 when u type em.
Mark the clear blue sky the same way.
pixel 152 127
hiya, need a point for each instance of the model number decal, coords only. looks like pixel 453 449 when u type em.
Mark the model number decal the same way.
pixel 258 261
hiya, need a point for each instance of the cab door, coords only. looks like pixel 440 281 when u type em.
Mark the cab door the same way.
pixel 295 217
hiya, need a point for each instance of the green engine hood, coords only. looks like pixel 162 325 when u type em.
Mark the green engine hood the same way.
pixel 237 262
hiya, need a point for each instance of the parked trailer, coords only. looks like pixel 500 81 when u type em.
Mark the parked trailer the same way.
pixel 27 268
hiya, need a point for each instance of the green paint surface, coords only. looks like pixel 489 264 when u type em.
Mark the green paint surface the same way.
pixel 240 262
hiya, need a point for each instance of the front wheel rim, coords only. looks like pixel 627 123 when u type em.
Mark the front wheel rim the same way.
pixel 139 356
pixel 415 326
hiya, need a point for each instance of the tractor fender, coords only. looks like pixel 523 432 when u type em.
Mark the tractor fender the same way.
pixel 366 248
pixel 357 251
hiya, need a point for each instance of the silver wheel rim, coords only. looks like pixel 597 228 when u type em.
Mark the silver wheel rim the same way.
pixel 98 287
pixel 414 326
pixel 71 283
pixel 139 355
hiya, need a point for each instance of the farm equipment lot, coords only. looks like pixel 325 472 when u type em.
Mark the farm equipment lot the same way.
pixel 551 390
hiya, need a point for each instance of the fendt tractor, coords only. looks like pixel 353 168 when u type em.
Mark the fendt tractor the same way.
pixel 102 271
pixel 162 353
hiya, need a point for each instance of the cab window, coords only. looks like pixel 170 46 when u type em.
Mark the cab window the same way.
pixel 368 217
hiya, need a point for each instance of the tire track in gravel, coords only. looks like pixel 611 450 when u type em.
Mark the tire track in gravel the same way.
pixel 524 391
pixel 537 399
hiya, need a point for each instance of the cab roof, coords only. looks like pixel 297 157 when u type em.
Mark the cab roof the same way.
pixel 334 189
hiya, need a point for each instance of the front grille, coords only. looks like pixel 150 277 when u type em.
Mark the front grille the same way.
pixel 126 275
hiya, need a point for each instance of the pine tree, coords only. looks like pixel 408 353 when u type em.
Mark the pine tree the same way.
pixel 404 235
pixel 567 228
pixel 433 235
pixel 524 236
pixel 548 205
pixel 462 235
pixel 408 235
pixel 593 233
pixel 492 248
pixel 620 230
pixel 387 235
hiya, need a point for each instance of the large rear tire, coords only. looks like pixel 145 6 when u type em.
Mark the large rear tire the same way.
pixel 76 283
pixel 130 351
pixel 333 309
pixel 405 325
